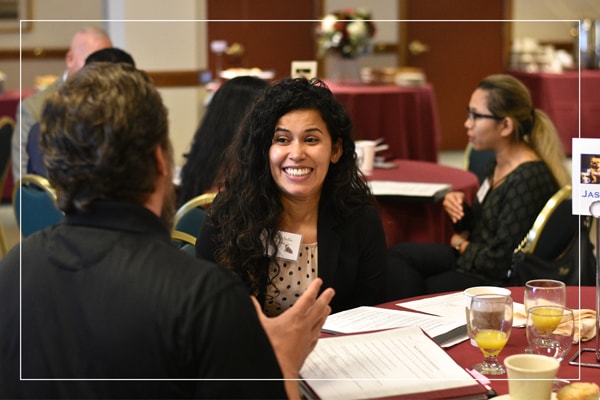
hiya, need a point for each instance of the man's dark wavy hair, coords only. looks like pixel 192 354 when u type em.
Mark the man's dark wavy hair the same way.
pixel 99 135
pixel 250 206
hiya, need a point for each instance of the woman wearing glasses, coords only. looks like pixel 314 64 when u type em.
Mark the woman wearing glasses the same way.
pixel 528 169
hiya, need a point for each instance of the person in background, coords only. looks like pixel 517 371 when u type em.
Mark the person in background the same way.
pixel 102 305
pixel 83 43
pixel 294 205
pixel 203 170
pixel 529 167
pixel 35 163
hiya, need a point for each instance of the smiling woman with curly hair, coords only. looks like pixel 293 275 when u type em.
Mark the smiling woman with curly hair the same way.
pixel 295 205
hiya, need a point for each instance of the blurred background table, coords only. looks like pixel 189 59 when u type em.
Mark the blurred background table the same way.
pixel 467 355
pixel 420 221
pixel 9 100
pixel 406 117
pixel 558 96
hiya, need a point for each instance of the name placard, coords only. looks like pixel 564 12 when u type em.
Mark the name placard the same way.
pixel 585 164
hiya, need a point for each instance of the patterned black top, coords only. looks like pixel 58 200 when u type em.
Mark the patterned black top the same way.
pixel 499 223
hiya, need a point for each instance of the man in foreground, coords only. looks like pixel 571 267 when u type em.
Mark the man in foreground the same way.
pixel 108 307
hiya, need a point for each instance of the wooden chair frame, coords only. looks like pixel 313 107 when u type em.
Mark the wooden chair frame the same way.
pixel 183 237
pixel 530 241
pixel 199 201
pixel 37 180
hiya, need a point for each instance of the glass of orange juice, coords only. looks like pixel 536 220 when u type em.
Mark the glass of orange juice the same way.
pixel 490 324
pixel 550 331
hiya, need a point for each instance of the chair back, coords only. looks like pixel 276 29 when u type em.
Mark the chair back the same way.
pixel 7 126
pixel 477 161
pixel 190 216
pixel 184 241
pixel 34 204
pixel 554 228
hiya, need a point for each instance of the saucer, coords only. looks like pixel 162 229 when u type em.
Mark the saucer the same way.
pixel 507 397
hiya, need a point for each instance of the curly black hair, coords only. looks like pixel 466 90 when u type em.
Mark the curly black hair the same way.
pixel 224 114
pixel 247 213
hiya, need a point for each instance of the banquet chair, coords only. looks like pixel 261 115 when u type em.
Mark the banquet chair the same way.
pixel 184 241
pixel 7 126
pixel 190 216
pixel 554 232
pixel 553 228
pixel 34 204
pixel 477 161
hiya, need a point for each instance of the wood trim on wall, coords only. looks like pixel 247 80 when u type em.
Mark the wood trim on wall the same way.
pixel 37 53
pixel 183 78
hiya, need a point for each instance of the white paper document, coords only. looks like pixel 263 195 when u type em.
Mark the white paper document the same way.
pixel 409 189
pixel 364 319
pixel 453 306
pixel 394 362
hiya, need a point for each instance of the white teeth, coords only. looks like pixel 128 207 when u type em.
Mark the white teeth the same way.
pixel 297 171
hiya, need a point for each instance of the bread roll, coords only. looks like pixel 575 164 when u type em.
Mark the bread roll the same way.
pixel 579 391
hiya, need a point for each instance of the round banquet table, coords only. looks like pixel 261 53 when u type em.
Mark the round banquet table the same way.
pixel 405 117
pixel 467 355
pixel 571 99
pixel 407 220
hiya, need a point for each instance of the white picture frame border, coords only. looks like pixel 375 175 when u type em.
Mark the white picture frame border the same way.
pixel 307 69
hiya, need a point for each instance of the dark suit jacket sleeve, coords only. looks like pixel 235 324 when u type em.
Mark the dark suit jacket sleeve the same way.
pixel 205 245
pixel 352 258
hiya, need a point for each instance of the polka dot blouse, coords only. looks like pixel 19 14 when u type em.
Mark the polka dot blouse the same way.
pixel 291 281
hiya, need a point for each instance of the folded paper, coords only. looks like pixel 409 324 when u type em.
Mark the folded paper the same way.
pixel 584 321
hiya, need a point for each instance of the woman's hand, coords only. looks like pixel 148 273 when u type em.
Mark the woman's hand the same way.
pixel 459 241
pixel 453 204
pixel 294 333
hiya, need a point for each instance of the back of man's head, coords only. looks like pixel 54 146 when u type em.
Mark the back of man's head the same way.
pixel 111 54
pixel 100 131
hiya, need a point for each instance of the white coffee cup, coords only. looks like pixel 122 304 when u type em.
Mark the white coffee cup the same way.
pixel 477 290
pixel 530 376
pixel 365 155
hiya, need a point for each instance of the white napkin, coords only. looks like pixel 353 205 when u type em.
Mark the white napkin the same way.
pixel 584 319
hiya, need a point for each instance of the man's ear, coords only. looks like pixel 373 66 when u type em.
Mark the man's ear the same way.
pixel 161 161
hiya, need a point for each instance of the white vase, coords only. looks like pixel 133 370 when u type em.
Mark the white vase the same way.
pixel 343 70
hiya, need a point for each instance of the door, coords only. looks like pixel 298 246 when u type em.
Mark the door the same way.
pixel 456 53
pixel 267 45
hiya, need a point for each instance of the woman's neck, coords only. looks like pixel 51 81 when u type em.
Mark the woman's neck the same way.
pixel 509 158
pixel 300 216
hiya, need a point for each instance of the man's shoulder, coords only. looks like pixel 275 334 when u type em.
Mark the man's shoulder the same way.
pixel 35 101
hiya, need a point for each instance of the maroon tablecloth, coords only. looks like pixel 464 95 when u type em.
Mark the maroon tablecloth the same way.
pixel 9 100
pixel 558 96
pixel 414 221
pixel 406 117
pixel 467 355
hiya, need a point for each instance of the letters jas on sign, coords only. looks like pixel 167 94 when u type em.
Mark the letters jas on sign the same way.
pixel 589 194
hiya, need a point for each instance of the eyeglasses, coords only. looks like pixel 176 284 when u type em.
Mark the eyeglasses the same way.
pixel 472 116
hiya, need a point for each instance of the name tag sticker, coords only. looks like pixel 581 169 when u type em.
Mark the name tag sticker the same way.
pixel 483 190
pixel 289 248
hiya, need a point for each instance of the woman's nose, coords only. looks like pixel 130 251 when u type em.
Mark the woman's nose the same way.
pixel 297 151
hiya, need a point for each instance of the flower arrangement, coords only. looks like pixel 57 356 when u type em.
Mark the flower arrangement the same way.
pixel 347 32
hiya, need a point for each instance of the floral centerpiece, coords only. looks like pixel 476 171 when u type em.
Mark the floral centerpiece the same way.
pixel 347 33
